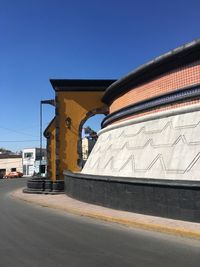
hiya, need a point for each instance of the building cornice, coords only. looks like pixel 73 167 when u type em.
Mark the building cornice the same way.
pixel 78 85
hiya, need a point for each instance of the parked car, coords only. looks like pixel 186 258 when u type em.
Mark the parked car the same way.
pixel 13 175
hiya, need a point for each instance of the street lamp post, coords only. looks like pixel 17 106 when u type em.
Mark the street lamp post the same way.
pixel 40 137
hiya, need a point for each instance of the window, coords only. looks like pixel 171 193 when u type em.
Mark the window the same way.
pixel 13 169
pixel 28 155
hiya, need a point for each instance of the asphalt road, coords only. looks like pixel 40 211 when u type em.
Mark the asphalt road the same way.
pixel 35 236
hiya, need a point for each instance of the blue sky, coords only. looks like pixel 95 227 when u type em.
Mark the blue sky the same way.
pixel 69 39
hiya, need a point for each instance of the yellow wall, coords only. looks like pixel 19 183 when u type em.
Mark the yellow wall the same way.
pixel 74 105
pixel 51 149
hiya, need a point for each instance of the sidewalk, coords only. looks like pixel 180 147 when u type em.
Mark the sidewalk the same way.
pixel 67 204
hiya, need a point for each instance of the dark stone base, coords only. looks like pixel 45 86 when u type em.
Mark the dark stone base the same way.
pixel 48 186
pixel 36 184
pixel 163 198
pixel 58 186
pixel 44 186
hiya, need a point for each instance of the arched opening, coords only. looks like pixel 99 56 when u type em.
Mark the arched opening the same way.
pixel 89 128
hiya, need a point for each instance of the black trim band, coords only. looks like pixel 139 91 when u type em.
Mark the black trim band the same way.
pixel 178 57
pixel 77 85
pixel 132 180
pixel 187 93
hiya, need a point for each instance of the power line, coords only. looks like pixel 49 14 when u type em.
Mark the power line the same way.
pixel 34 126
pixel 19 132
pixel 17 141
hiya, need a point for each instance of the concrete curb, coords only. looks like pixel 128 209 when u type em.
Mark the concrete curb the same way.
pixel 178 230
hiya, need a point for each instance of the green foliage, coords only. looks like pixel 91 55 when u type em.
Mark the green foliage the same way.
pixel 91 133
pixel 4 150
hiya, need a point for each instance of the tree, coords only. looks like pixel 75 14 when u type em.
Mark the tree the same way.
pixel 91 133
pixel 4 150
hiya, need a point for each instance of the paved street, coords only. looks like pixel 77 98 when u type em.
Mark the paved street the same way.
pixel 36 236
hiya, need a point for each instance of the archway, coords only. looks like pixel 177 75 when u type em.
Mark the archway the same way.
pixel 88 129
pixel 76 101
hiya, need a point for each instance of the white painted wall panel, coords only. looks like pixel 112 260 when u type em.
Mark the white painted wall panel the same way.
pixel 166 147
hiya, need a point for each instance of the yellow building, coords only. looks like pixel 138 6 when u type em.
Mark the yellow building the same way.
pixel 87 145
pixel 75 102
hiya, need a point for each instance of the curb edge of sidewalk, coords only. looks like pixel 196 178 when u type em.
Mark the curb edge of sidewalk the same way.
pixel 178 231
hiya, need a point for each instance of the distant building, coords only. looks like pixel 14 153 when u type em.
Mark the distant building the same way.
pixel 33 163
pixel 87 145
pixel 10 163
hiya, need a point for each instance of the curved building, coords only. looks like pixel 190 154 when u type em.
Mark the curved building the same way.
pixel 147 157
pixel 153 126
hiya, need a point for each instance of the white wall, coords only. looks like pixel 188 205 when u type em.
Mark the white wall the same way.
pixel 10 163
pixel 29 163
pixel 166 147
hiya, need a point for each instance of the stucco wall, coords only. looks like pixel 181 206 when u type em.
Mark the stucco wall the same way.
pixel 75 106
pixel 9 163
pixel 51 150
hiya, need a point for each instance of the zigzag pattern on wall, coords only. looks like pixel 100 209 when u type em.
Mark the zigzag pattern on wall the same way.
pixel 126 145
pixel 169 125
pixel 130 162
pixel 154 149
